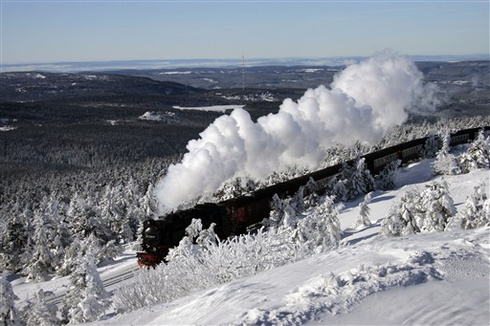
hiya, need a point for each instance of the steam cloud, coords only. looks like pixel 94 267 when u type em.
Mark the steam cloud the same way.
pixel 363 102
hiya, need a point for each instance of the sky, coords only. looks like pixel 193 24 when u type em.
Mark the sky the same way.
pixel 92 30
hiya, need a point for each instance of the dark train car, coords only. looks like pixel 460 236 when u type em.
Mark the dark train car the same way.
pixel 160 235
pixel 236 216
pixel 405 152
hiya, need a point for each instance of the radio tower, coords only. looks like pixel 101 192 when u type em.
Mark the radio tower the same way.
pixel 243 74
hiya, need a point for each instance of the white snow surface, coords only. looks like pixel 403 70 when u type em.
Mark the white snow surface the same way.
pixel 424 279
pixel 215 108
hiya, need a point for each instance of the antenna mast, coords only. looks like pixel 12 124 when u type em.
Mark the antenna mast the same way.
pixel 243 74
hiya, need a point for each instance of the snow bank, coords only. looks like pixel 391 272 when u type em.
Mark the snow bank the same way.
pixel 438 278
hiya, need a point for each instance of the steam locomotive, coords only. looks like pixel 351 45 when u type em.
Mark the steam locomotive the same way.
pixel 236 216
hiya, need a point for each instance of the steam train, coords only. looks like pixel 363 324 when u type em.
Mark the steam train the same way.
pixel 236 216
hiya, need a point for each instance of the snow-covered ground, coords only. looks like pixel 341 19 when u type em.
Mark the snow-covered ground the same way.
pixel 436 278
pixel 215 108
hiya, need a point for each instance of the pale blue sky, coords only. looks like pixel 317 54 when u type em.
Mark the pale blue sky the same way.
pixel 57 31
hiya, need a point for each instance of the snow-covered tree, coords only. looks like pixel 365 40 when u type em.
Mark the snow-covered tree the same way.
pixel 40 264
pixel 477 156
pixel 87 299
pixel 385 180
pixel 69 260
pixel 436 207
pixel 431 146
pixel 445 162
pixel 475 214
pixel 39 311
pixel 363 217
pixel 426 211
pixel 339 189
pixel 277 206
pixel 311 196
pixel 320 228
pixel 401 218
pixel 361 181
pixel 14 241
pixel 9 315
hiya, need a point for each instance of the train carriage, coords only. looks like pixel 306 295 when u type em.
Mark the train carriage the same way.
pixel 236 216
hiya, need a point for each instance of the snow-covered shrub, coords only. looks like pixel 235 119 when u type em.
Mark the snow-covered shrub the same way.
pixel 401 218
pixel 477 156
pixel 445 162
pixel 86 300
pixel 420 212
pixel 193 267
pixel 475 212
pixel 319 229
pixel 361 181
pixel 385 180
pixel 39 311
pixel 431 146
pixel 9 315
pixel 436 207
pixel 363 217
pixel 311 196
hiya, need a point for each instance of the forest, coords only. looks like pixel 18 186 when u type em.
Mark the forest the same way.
pixel 79 165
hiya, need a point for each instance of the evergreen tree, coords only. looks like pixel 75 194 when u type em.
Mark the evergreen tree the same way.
pixel 40 264
pixel 14 241
pixel 311 196
pixel 9 315
pixel 385 180
pixel 477 156
pixel 329 229
pixel 431 146
pixel 339 189
pixel 363 217
pixel 86 299
pixel 436 207
pixel 276 214
pixel 474 215
pixel 401 218
pixel 69 261
pixel 445 162
pixel 39 311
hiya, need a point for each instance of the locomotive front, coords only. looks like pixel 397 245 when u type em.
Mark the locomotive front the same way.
pixel 154 243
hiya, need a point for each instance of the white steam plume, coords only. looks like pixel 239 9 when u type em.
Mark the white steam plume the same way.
pixel 363 101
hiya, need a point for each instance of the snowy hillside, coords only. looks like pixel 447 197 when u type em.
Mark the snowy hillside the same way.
pixel 434 278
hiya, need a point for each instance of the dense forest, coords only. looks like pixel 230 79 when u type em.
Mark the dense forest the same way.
pixel 77 159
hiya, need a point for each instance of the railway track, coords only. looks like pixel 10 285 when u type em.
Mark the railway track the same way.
pixel 109 284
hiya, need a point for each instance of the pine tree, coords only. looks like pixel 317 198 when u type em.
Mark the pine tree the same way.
pixel 385 180
pixel 86 300
pixel 311 195
pixel 9 315
pixel 40 264
pixel 477 156
pixel 363 217
pixel 436 207
pixel 339 189
pixel 329 229
pixel 473 215
pixel 39 311
pixel 276 214
pixel 401 218
pixel 431 146
pixel 14 242
pixel 445 162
